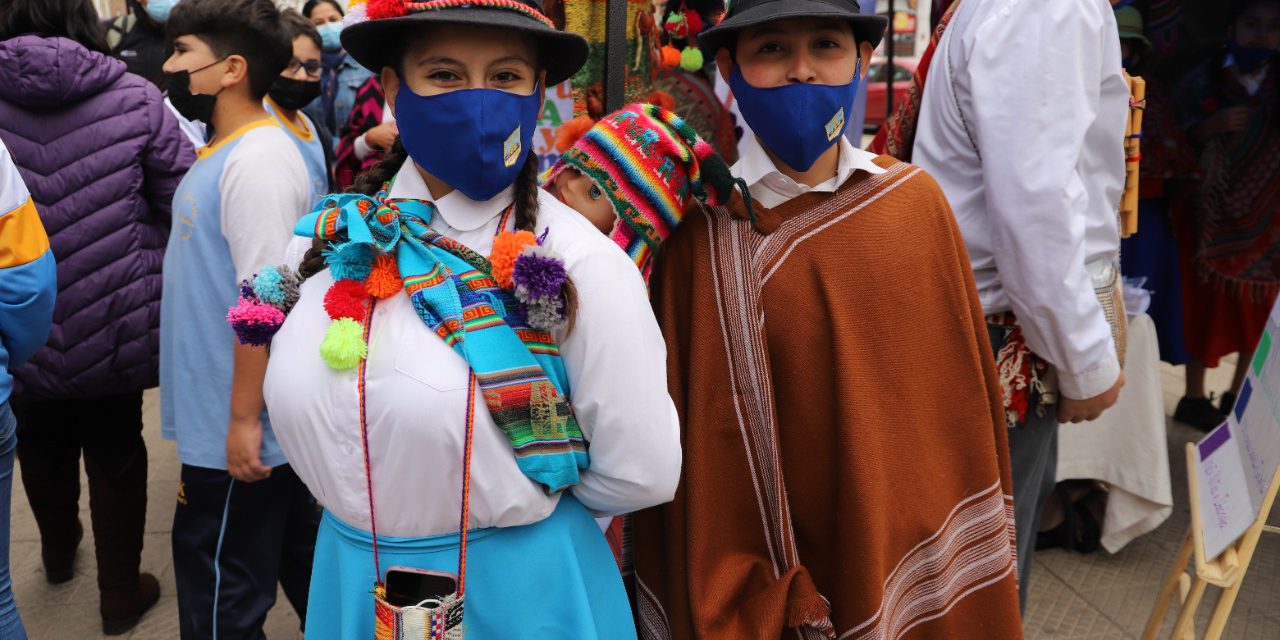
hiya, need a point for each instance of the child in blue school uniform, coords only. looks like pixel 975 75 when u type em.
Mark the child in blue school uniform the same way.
pixel 243 521
pixel 294 89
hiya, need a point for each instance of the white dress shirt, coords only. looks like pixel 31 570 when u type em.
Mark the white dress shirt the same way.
pixel 1040 85
pixel 770 187
pixel 416 394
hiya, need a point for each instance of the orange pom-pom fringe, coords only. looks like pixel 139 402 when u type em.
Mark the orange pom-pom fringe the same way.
pixel 507 246
pixel 384 279
pixel 670 57
pixel 661 99
pixel 571 131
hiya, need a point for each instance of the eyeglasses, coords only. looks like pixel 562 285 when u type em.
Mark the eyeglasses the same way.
pixel 313 67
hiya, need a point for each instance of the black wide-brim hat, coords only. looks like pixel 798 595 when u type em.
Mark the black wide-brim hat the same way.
pixel 373 42
pixel 750 13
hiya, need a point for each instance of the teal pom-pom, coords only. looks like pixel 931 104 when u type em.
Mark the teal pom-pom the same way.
pixel 343 346
pixel 349 260
pixel 691 59
pixel 268 285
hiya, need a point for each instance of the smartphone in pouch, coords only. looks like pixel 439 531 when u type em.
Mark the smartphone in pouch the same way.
pixel 408 586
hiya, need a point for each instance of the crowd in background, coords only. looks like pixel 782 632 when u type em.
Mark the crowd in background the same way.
pixel 104 119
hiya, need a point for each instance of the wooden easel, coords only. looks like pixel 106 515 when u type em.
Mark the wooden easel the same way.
pixel 1226 571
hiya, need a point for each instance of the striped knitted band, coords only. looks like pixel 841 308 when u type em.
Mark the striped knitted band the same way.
pixel 381 9
pixel 648 162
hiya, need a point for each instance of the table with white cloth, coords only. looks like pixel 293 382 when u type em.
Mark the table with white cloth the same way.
pixel 1126 448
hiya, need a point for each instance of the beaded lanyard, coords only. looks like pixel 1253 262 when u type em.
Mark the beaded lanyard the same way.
pixel 466 453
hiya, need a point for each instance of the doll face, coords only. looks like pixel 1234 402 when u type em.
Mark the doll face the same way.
pixel 582 194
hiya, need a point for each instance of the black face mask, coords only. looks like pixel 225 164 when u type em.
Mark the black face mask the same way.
pixel 294 94
pixel 192 106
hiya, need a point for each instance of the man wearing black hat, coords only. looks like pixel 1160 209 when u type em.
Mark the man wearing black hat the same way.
pixel 846 468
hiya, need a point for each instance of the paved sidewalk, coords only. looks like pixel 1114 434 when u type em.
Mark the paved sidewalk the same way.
pixel 70 611
pixel 1073 597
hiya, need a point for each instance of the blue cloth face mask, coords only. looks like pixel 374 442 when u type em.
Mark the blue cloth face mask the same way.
pixel 475 140
pixel 1248 59
pixel 797 122
pixel 159 9
pixel 331 35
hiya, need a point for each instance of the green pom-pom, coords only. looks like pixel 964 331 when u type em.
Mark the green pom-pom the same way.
pixel 343 346
pixel 691 59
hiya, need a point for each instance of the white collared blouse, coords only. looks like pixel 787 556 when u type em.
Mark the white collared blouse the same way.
pixel 416 394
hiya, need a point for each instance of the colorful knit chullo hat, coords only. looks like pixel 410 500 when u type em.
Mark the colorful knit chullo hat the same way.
pixel 648 162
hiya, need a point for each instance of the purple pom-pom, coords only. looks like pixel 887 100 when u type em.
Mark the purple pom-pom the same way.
pixel 538 274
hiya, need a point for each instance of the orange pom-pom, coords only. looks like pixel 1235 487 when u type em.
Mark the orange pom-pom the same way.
pixel 384 279
pixel 670 57
pixel 507 246
pixel 661 99
pixel 569 132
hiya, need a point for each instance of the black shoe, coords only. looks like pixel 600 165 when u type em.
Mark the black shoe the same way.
pixel 122 610
pixel 1198 413
pixel 63 569
pixel 1227 403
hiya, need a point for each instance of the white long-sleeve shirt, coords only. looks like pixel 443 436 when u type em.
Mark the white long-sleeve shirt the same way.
pixel 416 394
pixel 1040 85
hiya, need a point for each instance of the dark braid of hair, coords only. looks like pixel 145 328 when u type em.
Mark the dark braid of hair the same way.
pixel 368 183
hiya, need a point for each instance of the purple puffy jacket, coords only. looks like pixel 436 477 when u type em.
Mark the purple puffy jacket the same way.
pixel 102 155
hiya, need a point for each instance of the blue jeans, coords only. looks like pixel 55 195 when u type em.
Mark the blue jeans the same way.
pixel 10 624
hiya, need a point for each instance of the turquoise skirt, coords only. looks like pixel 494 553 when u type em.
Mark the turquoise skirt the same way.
pixel 551 579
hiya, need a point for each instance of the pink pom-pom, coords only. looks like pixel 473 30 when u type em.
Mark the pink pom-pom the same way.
pixel 254 323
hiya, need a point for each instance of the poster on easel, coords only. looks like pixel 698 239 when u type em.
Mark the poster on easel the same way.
pixel 1236 461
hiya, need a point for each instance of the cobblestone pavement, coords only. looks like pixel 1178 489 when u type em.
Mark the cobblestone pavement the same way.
pixel 1073 597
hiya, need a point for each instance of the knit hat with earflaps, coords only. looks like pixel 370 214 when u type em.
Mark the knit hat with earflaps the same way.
pixel 648 162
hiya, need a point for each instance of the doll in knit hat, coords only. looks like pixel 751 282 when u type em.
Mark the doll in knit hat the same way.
pixel 632 176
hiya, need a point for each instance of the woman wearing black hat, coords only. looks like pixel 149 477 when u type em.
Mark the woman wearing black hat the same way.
pixel 454 350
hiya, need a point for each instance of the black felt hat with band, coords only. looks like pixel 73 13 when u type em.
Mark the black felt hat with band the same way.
pixel 750 13
pixel 372 38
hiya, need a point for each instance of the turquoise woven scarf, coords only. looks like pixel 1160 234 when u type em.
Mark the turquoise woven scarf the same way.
pixel 517 368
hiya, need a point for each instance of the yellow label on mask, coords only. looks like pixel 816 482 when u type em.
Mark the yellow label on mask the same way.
pixel 835 125
pixel 511 149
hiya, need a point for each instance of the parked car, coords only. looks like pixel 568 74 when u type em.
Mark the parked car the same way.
pixel 876 84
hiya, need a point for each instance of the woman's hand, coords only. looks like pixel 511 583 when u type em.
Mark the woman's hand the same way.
pixel 382 136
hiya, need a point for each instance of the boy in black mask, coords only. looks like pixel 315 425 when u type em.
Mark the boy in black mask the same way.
pixel 244 521
pixel 294 89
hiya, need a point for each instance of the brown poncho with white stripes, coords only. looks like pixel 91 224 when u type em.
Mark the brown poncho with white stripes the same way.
pixel 846 471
